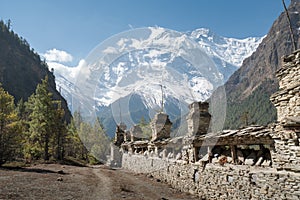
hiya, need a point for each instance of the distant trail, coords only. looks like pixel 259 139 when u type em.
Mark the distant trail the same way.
pixel 104 187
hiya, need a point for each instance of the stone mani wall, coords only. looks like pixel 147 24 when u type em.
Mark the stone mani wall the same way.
pixel 143 164
pixel 287 150
pixel 218 182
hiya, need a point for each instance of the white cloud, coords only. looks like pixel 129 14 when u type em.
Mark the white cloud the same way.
pixel 57 59
pixel 55 55
pixel 70 73
pixel 110 50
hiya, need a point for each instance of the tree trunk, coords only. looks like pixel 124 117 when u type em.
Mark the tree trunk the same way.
pixel 46 148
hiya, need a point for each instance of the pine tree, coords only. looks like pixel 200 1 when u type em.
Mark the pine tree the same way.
pixel 59 131
pixel 21 109
pixel 9 127
pixel 22 115
pixel 101 142
pixel 42 122
pixel 94 138
pixel 74 147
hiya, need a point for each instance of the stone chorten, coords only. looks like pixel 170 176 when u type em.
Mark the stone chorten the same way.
pixel 198 118
pixel 161 126
pixel 287 99
pixel 120 134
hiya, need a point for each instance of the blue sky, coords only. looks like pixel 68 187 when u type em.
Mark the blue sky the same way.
pixel 77 26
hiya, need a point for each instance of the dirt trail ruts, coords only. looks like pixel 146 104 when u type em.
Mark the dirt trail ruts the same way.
pixel 53 181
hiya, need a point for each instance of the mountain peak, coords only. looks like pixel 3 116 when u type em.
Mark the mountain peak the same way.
pixel 227 54
pixel 137 63
pixel 231 50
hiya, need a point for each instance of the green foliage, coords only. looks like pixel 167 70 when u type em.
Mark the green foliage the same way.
pixel 87 141
pixel 45 135
pixel 95 140
pixel 9 127
pixel 37 130
pixel 101 146
pixel 21 69
pixel 21 109
pixel 59 131
pixel 74 147
pixel 256 109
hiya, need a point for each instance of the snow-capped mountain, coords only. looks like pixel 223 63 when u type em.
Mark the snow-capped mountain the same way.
pixel 132 73
pixel 227 53
pixel 230 50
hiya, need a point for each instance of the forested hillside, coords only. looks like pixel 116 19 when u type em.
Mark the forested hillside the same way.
pixel 249 88
pixel 36 130
pixel 21 68
pixel 35 123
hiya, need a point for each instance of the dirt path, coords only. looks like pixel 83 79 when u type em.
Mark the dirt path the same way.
pixel 104 185
pixel 69 182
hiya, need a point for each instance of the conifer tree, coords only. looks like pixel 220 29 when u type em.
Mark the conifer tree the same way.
pixel 100 140
pixel 21 109
pixel 74 147
pixel 59 131
pixel 41 122
pixel 9 127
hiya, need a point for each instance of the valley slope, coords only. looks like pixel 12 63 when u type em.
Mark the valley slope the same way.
pixel 249 88
pixel 21 69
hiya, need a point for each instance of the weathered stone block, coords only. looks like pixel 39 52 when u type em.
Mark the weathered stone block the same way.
pixel 161 127
pixel 198 118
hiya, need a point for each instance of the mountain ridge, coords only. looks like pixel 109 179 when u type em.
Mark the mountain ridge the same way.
pixel 21 69
pixel 233 49
pixel 156 61
pixel 226 66
pixel 257 74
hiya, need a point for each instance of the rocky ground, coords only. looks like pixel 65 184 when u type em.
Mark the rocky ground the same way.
pixel 53 181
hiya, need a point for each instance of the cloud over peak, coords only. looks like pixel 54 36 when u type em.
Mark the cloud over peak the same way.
pixel 55 55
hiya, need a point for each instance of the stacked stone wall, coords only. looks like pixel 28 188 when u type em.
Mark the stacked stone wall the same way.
pixel 286 154
pixel 287 99
pixel 218 182
pixel 287 102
